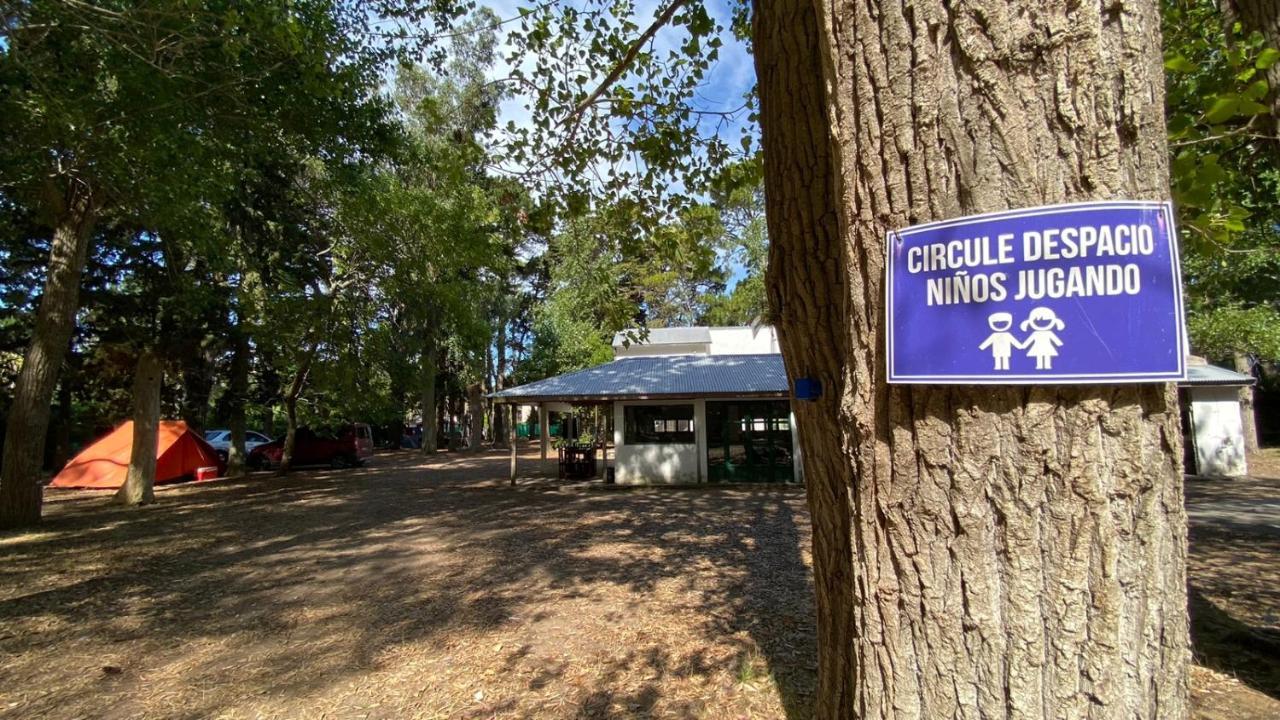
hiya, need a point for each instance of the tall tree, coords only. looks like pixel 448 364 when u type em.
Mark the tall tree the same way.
pixel 140 479
pixel 987 552
pixel 992 552
pixel 132 105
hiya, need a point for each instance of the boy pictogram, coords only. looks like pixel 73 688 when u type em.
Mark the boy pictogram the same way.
pixel 1001 341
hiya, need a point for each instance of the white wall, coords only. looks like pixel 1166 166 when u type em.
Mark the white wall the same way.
pixel 744 340
pixel 724 341
pixel 668 464
pixel 657 464
pixel 1217 432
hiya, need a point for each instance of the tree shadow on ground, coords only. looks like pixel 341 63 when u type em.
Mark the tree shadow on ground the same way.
pixel 1223 643
pixel 1233 595
pixel 228 598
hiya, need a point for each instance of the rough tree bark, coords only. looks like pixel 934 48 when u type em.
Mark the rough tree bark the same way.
pixel 28 420
pixel 237 393
pixel 978 552
pixel 140 479
pixel 1248 414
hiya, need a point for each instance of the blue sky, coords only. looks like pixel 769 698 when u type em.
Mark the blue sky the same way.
pixel 726 82
pixel 724 87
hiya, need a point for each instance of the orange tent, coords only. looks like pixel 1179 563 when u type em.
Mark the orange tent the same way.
pixel 103 465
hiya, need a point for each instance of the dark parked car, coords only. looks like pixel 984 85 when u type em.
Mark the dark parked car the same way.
pixel 345 447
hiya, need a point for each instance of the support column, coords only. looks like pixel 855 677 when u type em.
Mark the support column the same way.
pixel 544 430
pixel 511 441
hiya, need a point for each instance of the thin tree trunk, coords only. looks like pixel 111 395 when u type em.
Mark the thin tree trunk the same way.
pixel 428 379
pixel 500 418
pixel 237 392
pixel 475 400
pixel 511 443
pixel 1248 414
pixel 62 436
pixel 140 480
pixel 197 386
pixel 1003 552
pixel 490 408
pixel 28 421
pixel 291 408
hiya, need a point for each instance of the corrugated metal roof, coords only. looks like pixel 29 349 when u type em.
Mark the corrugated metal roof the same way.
pixel 659 376
pixel 665 336
pixel 1214 375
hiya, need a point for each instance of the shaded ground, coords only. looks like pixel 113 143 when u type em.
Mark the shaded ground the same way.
pixel 402 590
pixel 391 592
pixel 1234 572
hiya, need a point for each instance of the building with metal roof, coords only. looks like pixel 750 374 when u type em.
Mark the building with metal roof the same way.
pixel 661 376
pixel 687 405
pixel 1212 420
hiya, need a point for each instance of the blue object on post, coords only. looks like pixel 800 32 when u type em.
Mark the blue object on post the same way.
pixel 808 388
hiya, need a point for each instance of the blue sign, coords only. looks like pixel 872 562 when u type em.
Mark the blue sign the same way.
pixel 1082 293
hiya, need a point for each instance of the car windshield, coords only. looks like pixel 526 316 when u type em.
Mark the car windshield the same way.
pixel 215 435
pixel 255 437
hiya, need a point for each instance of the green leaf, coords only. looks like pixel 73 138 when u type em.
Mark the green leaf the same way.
pixel 1267 58
pixel 1223 108
pixel 1179 64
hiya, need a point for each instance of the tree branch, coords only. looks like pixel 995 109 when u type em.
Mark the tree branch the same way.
pixel 626 60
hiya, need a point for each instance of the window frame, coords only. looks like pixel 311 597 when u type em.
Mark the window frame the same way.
pixel 673 415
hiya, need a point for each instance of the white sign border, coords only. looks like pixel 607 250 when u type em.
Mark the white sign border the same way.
pixel 1164 206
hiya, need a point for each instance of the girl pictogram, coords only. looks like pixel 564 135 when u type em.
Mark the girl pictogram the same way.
pixel 1043 342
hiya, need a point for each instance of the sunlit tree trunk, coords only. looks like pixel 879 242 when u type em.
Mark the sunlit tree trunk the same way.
pixel 140 479
pixel 979 552
pixel 28 421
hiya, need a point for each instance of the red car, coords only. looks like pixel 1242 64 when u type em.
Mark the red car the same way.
pixel 347 447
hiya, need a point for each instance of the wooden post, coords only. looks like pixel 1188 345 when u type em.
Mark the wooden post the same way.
pixel 543 428
pixel 511 441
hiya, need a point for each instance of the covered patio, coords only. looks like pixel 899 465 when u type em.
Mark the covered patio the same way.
pixel 675 419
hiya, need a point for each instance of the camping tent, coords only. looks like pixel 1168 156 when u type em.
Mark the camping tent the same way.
pixel 102 465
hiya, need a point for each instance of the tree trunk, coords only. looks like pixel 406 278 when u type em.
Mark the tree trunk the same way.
pixel 140 480
pixel 1248 415
pixel 511 443
pixel 237 393
pixel 475 402
pixel 197 386
pixel 28 421
pixel 291 408
pixel 490 407
pixel 500 418
pixel 428 380
pixel 979 552
pixel 62 435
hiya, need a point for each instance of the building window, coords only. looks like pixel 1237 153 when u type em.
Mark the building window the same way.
pixel 666 424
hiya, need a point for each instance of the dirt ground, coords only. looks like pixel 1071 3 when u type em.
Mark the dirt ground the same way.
pixel 1234 585
pixel 431 590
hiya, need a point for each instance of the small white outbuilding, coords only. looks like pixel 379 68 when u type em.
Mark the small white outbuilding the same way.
pixel 1211 424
